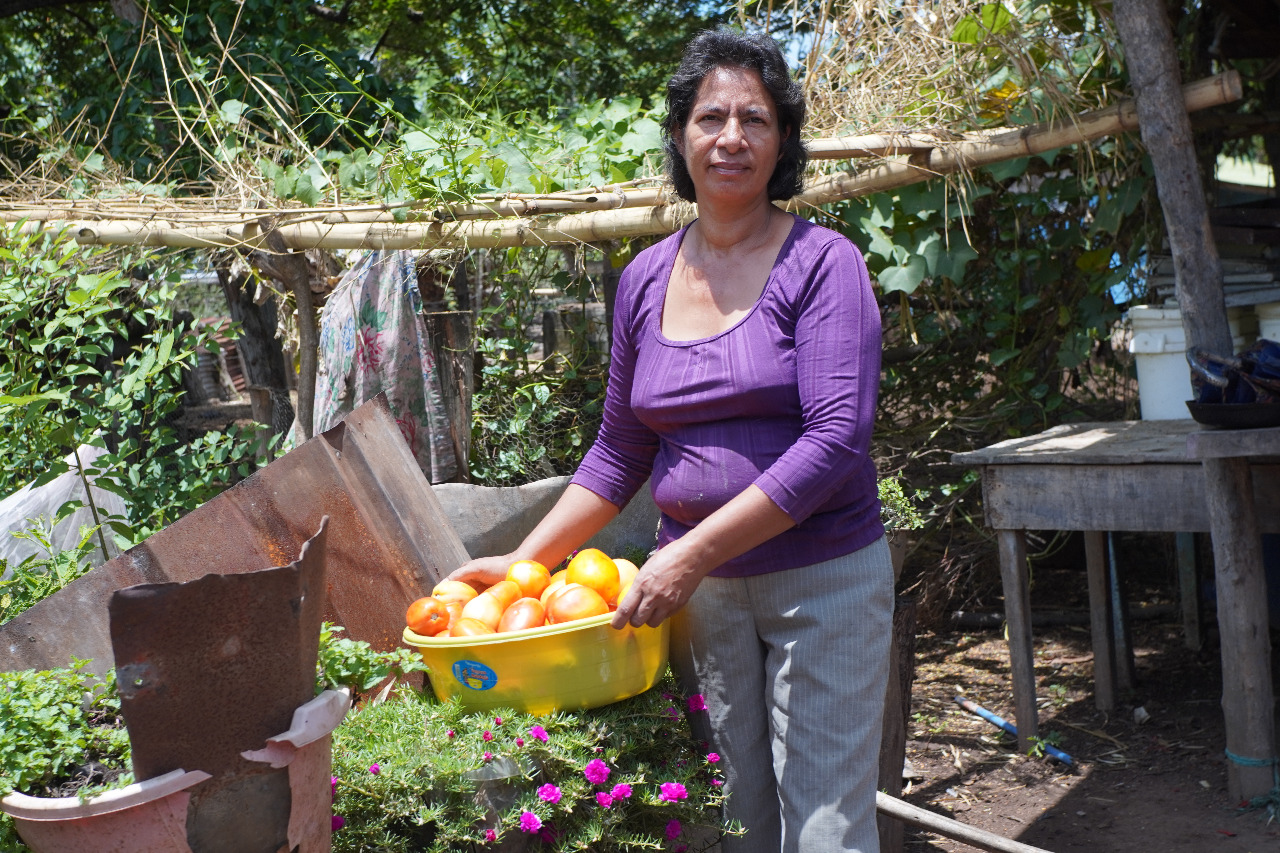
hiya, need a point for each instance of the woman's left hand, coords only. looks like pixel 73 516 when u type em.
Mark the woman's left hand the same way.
pixel 663 586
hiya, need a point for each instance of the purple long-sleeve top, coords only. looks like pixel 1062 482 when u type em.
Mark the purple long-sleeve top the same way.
pixel 785 399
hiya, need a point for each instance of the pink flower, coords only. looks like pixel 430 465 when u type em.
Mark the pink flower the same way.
pixel 596 771
pixel 375 768
pixel 620 792
pixel 549 793
pixel 337 822
pixel 333 784
pixel 673 830
pixel 672 791
pixel 488 756
pixel 449 733
pixel 538 733
pixel 488 736
pixel 490 835
pixel 713 757
pixel 697 703
pixel 497 721
pixel 519 741
pixel 604 800
pixel 671 711
pixel 683 848
pixel 548 835
pixel 717 782
pixel 530 822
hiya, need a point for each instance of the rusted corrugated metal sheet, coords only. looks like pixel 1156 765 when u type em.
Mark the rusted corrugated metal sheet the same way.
pixel 210 668
pixel 389 542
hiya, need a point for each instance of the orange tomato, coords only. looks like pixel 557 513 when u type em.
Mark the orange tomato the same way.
pixel 531 576
pixel 627 572
pixel 427 616
pixel 467 627
pixel 592 568
pixel 484 608
pixel 455 611
pixel 525 613
pixel 557 581
pixel 505 591
pixel 448 591
pixel 575 601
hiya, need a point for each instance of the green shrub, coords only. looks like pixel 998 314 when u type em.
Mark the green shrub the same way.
pixel 95 356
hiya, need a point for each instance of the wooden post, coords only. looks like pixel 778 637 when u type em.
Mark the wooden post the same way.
pixel 1188 592
pixel 1247 701
pixel 1017 609
pixel 450 333
pixel 1121 641
pixel 1095 559
pixel 1166 131
pixel 897 710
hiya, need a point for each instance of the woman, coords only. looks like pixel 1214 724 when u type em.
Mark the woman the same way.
pixel 743 380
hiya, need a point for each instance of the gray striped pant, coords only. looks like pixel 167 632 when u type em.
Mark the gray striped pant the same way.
pixel 793 667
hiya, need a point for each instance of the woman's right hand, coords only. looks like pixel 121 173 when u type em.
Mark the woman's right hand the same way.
pixel 485 570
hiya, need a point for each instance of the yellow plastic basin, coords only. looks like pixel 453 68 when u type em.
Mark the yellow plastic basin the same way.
pixel 582 664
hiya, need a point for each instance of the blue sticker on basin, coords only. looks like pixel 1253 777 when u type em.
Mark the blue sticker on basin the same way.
pixel 474 674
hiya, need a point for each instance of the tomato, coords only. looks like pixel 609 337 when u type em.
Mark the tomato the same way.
pixel 525 613
pixel 466 627
pixel 531 576
pixel 627 572
pixel 557 581
pixel 427 616
pixel 575 601
pixel 592 568
pixel 484 608
pixel 448 591
pixel 505 591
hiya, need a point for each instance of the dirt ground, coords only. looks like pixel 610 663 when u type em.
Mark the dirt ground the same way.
pixel 1155 785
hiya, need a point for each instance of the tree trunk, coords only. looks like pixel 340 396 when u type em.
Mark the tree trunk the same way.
pixel 1166 131
pixel 291 269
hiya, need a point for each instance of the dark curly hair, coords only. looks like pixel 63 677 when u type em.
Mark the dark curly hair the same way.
pixel 712 49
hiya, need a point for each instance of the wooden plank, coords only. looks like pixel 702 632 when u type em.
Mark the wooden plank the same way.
pixel 1095 558
pixel 1017 611
pixel 1247 702
pixel 450 334
pixel 1093 443
pixel 1142 498
pixel 1224 443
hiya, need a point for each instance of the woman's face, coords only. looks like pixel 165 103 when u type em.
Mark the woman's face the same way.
pixel 732 141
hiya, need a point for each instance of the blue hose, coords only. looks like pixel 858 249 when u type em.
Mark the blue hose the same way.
pixel 1051 751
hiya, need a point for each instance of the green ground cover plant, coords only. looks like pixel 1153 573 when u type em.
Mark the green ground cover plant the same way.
pixel 414 774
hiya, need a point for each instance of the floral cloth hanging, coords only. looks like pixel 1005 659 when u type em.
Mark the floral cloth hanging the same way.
pixel 373 339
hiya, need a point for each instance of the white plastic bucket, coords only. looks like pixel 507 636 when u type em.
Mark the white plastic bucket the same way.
pixel 1159 348
pixel 1268 320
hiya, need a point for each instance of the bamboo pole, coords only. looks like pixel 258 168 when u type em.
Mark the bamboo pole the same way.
pixel 954 829
pixel 652 219
pixel 1036 139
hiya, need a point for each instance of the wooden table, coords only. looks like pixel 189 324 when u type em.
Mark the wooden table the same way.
pixel 1144 476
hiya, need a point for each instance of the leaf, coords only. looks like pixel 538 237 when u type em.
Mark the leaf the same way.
pixel 415 141
pixel 1000 356
pixel 231 111
pixel 906 277
pixel 992 19
pixel 306 192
